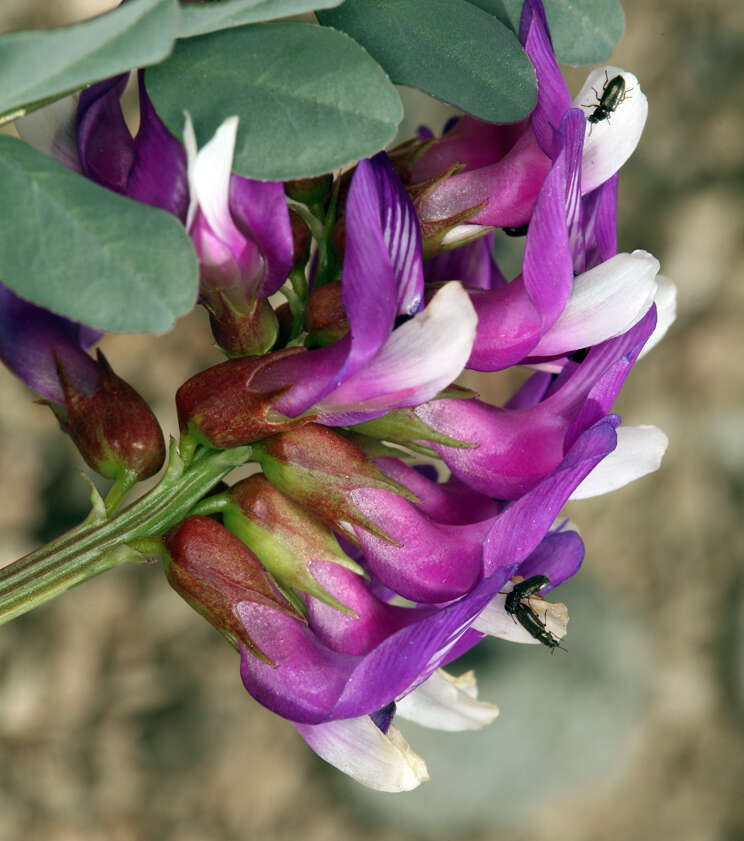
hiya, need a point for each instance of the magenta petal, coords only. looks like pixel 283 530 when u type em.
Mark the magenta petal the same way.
pixel 307 376
pixel 600 223
pixel 428 562
pixel 559 556
pixel 472 264
pixel 29 338
pixel 548 262
pixel 158 174
pixel 259 209
pixel 523 525
pixel 311 684
pixel 518 447
pixel 553 97
pixel 368 286
pixel 375 620
pixel 509 326
pixel 508 188
pixel 408 657
pixel 531 392
pixel 471 142
pixel 105 146
pixel 451 502
pixel 306 679
pixel 402 235
pixel 614 359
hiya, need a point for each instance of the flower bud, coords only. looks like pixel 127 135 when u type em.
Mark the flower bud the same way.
pixel 246 330
pixel 325 317
pixel 219 408
pixel 321 470
pixel 300 239
pixel 113 427
pixel 215 572
pixel 286 538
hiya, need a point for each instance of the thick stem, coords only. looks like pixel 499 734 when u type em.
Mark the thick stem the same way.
pixel 94 546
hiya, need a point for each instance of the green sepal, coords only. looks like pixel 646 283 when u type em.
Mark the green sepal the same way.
pixel 289 570
pixel 403 426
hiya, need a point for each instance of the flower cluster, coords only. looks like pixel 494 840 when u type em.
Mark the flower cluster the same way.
pixel 346 576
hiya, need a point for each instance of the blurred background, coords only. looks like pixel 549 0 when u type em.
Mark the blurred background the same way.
pixel 122 714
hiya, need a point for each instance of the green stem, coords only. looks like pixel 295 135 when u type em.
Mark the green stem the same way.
pixel 21 110
pixel 296 295
pixel 321 224
pixel 96 546
pixel 123 483
pixel 212 505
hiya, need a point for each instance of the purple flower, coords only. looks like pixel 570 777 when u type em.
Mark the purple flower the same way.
pixel 240 227
pixel 379 366
pixel 150 167
pixel 344 631
pixel 243 238
pixel 547 311
pixel 111 425
pixel 506 165
pixel 334 673
pixel 33 341
pixel 519 445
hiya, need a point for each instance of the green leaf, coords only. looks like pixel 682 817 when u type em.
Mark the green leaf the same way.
pixel 309 98
pixel 38 64
pixel 201 18
pixel 448 48
pixel 87 253
pixel 583 31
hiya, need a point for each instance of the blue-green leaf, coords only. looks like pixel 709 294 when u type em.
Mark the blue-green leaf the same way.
pixel 309 98
pixel 198 19
pixel 448 48
pixel 38 64
pixel 87 253
pixel 583 31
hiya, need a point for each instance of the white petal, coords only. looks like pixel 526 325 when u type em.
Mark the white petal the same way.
pixel 610 142
pixel 424 355
pixel 666 312
pixel 462 234
pixel 605 302
pixel 189 142
pixel 360 749
pixel 639 451
pixel 445 702
pixel 51 130
pixel 496 622
pixel 209 180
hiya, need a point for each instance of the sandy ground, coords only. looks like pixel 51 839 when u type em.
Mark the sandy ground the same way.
pixel 122 715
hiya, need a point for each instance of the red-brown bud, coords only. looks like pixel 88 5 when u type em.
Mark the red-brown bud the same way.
pixel 300 239
pixel 242 331
pixel 338 238
pixel 113 427
pixel 214 571
pixel 219 408
pixel 320 470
